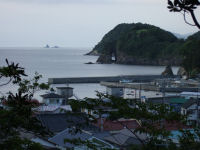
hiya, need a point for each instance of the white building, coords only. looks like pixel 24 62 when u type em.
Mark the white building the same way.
pixel 189 95
pixel 53 99
pixel 115 91
pixel 190 109
pixel 53 109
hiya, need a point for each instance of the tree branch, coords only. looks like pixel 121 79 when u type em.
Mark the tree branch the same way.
pixel 194 19
pixel 7 82
pixel 186 20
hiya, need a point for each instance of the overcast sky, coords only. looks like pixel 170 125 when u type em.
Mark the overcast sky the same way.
pixel 79 23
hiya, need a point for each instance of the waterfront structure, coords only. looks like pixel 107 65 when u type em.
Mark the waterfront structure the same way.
pixel 115 91
pixel 189 95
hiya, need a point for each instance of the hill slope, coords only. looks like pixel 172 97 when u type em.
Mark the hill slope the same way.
pixel 139 44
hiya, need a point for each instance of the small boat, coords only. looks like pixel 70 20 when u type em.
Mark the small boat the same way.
pixel 125 81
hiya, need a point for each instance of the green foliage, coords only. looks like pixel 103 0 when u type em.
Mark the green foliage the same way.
pixel 139 40
pixel 18 116
pixel 150 43
pixel 191 55
pixel 31 86
pixel 152 119
pixel 12 71
pixel 16 143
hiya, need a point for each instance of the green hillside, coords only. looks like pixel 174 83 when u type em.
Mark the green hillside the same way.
pixel 190 51
pixel 139 44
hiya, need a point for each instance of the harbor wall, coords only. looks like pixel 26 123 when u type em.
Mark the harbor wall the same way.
pixel 134 78
pixel 148 87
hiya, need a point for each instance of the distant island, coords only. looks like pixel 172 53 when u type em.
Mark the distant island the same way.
pixel 141 44
pixel 47 46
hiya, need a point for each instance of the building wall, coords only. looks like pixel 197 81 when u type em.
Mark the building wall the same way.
pixel 114 91
pixel 65 92
pixel 49 101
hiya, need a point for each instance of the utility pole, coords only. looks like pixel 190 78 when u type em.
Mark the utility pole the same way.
pixel 140 91
pixel 197 101
pixel 163 91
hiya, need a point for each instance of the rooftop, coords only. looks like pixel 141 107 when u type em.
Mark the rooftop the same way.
pixel 59 122
pixel 51 95
pixel 64 88
pixel 178 100
pixel 109 125
pixel 189 103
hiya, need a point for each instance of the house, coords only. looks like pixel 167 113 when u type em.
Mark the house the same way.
pixel 109 125
pixel 59 98
pixel 125 138
pixel 53 99
pixel 59 122
pixel 67 92
pixel 189 95
pixel 63 139
pixel 45 143
pixel 176 103
pixel 53 109
pixel 114 91
pixel 191 109
pixel 94 111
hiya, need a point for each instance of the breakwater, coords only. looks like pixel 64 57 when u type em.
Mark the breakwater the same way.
pixel 134 78
pixel 149 87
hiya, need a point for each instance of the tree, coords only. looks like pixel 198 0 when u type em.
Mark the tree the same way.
pixel 185 7
pixel 18 116
pixel 153 119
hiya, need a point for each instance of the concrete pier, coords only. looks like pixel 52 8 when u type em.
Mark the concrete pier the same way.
pixel 148 87
pixel 134 78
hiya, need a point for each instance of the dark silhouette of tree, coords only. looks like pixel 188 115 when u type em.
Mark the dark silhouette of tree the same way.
pixel 185 7
pixel 17 116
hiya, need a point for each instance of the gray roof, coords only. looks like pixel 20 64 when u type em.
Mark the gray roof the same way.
pixel 64 88
pixel 125 138
pixel 83 136
pixel 51 95
pixel 59 122
pixel 189 103
pixel 67 134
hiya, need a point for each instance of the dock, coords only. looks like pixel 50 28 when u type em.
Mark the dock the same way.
pixel 149 87
pixel 134 78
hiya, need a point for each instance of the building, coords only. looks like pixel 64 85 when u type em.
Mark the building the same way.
pixel 59 122
pixel 190 109
pixel 96 139
pixel 53 109
pixel 176 103
pixel 67 92
pixel 189 95
pixel 115 91
pixel 59 98
pixel 113 126
pixel 53 99
pixel 125 138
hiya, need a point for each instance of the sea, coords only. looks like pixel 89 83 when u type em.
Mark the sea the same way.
pixel 68 62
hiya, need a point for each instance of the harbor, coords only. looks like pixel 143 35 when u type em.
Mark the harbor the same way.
pixel 132 78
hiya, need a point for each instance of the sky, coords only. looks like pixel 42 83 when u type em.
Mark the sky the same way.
pixel 79 23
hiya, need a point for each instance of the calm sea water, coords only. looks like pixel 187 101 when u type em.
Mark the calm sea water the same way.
pixel 70 62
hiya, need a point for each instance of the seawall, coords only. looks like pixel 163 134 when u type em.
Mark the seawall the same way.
pixel 134 78
pixel 148 87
